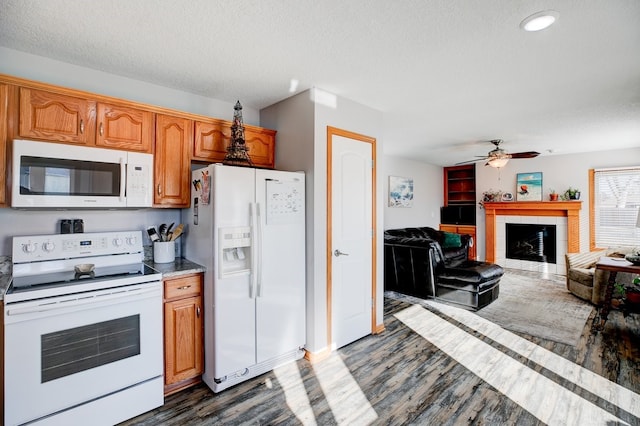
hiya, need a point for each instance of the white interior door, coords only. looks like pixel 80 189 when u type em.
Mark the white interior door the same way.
pixel 351 239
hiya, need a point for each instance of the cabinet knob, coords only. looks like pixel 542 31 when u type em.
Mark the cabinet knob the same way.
pixel 198 311
pixel 101 129
pixel 159 189
pixel 81 126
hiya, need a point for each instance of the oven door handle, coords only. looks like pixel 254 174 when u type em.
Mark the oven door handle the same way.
pixel 79 301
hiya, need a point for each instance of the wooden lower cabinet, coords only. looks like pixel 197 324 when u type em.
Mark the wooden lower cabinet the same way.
pixel 183 332
pixel 464 229
pixel 2 363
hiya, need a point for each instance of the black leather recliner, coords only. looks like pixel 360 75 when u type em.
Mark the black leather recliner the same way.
pixel 425 262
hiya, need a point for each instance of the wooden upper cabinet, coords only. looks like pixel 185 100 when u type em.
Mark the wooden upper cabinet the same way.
pixel 172 161
pixel 126 128
pixel 57 118
pixel 213 137
pixel 4 107
pixel 54 117
pixel 211 140
pixel 262 146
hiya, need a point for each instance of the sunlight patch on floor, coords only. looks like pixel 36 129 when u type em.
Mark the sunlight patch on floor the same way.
pixel 594 383
pixel 348 403
pixel 295 393
pixel 540 396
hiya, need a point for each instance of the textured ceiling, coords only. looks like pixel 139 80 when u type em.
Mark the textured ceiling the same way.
pixel 447 74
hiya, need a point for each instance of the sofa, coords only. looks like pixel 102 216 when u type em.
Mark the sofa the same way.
pixel 584 281
pixel 428 263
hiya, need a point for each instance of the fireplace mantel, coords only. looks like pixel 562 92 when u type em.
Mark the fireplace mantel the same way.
pixel 568 209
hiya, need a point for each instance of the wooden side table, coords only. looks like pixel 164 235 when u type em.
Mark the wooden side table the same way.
pixel 613 265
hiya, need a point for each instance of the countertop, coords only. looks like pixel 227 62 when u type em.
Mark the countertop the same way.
pixel 178 267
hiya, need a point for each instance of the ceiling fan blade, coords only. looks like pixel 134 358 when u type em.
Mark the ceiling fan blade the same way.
pixel 527 154
pixel 472 161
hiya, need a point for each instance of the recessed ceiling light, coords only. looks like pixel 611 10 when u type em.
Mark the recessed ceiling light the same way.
pixel 539 21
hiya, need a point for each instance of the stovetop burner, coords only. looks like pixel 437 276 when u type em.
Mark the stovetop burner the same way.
pixel 54 265
pixel 71 277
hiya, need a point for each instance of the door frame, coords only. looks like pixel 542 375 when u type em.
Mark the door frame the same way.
pixel 331 132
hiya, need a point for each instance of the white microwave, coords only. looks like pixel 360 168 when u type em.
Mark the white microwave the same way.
pixel 54 175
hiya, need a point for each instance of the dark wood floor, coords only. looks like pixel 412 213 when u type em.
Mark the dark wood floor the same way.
pixel 405 380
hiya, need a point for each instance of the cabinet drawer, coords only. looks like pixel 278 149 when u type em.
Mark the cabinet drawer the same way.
pixel 176 288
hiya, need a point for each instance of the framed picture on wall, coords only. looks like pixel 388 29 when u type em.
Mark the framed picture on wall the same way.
pixel 400 191
pixel 529 186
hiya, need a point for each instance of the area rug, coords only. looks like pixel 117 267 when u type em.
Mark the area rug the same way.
pixel 538 307
pixel 534 306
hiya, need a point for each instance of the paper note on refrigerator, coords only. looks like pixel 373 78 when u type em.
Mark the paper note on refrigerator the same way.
pixel 284 203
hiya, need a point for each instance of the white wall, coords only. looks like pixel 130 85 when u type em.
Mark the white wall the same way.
pixel 45 70
pixel 33 222
pixel 558 172
pixel 427 193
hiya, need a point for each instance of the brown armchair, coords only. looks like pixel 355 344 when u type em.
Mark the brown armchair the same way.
pixel 584 281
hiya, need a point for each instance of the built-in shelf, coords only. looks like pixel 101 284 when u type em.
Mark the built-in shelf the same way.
pixel 460 185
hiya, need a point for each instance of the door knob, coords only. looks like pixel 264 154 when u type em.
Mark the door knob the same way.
pixel 337 253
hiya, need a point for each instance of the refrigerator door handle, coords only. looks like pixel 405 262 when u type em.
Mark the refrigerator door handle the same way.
pixel 254 243
pixel 259 250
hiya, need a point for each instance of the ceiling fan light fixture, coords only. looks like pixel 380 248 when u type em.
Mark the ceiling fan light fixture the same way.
pixel 498 162
pixel 539 21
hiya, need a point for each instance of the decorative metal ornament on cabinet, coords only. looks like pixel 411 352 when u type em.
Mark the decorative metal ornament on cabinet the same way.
pixel 237 152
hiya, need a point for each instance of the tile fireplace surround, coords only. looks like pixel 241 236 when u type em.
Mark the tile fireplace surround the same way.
pixel 564 214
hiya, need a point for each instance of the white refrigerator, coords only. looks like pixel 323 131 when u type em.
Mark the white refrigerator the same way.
pixel 247 226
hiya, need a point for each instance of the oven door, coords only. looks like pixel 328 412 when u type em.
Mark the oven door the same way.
pixel 58 175
pixel 66 351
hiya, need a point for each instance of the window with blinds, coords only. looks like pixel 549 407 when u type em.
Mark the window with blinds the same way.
pixel 616 207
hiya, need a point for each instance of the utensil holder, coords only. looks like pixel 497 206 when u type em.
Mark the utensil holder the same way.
pixel 164 251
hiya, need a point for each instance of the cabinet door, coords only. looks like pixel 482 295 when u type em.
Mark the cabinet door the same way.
pixel 261 144
pixel 121 127
pixel 56 118
pixel 470 230
pixel 172 160
pixel 4 117
pixel 183 339
pixel 211 140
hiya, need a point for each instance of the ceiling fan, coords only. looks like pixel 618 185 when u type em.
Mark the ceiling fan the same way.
pixel 498 157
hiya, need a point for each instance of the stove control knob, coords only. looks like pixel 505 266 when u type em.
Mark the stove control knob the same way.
pixel 48 246
pixel 117 242
pixel 29 247
pixel 132 240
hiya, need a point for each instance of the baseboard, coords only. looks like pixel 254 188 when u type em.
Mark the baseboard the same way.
pixel 317 356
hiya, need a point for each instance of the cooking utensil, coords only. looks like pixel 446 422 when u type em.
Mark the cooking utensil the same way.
pixel 169 233
pixel 177 232
pixel 163 232
pixel 153 234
